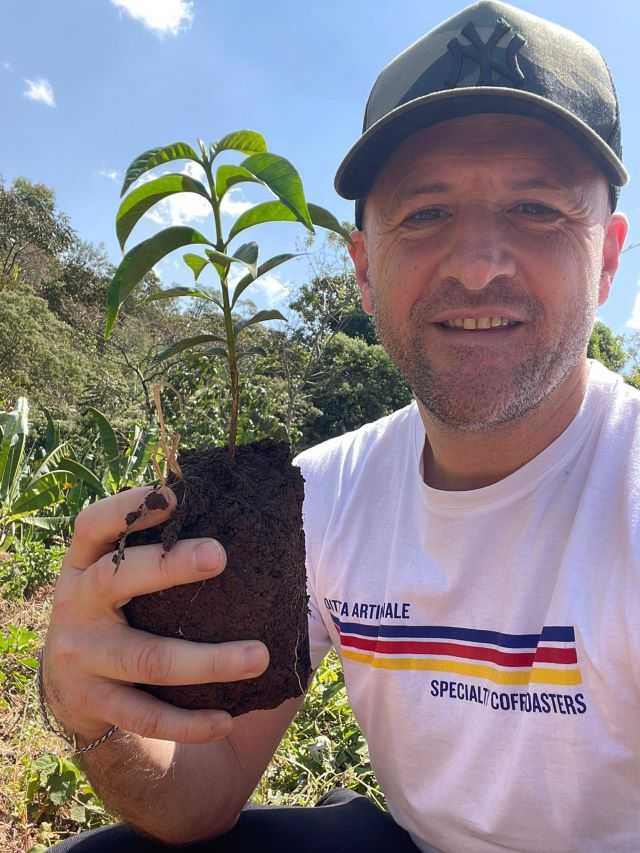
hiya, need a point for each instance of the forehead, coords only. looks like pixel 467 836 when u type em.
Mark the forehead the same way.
pixel 505 145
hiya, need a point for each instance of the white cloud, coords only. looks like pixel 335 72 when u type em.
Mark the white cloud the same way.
pixel 112 174
pixel 161 16
pixel 181 208
pixel 40 90
pixel 634 320
pixel 234 203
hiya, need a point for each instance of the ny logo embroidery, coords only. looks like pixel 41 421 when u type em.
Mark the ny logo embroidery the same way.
pixel 482 53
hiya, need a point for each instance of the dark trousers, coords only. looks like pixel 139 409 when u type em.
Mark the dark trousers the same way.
pixel 341 822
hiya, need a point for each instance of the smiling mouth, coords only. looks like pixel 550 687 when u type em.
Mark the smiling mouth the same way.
pixel 484 324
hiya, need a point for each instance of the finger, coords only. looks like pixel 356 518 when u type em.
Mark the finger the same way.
pixel 138 712
pixel 127 654
pixel 149 568
pixel 102 523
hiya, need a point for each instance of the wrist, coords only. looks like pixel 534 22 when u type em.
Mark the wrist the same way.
pixel 89 738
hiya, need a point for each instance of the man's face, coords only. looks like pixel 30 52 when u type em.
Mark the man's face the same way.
pixel 486 217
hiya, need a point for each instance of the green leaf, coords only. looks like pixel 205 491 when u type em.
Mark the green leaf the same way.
pixel 260 317
pixel 247 141
pixel 107 434
pixel 248 254
pixel 219 258
pixel 44 492
pixel 227 176
pixel 325 219
pixel 50 461
pixel 52 438
pixel 135 205
pixel 155 157
pixel 283 180
pixel 203 150
pixel 195 263
pixel 62 787
pixel 83 474
pixel 78 813
pixel 186 343
pixel 14 437
pixel 137 263
pixel 57 523
pixel 276 211
pixel 246 280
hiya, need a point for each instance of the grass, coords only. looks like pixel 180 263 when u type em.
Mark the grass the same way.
pixel 44 797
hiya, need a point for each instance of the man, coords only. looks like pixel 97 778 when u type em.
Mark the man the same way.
pixel 475 556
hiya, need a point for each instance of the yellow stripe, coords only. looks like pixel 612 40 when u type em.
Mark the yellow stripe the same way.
pixel 537 675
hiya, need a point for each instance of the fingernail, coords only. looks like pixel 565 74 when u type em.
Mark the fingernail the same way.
pixel 209 556
pixel 255 659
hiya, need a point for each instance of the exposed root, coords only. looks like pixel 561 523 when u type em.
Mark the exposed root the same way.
pixel 188 607
pixel 169 444
pixel 131 518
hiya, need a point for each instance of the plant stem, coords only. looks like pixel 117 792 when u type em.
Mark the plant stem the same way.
pixel 233 368
pixel 228 322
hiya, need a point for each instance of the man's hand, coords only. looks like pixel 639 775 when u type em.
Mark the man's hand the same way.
pixel 93 658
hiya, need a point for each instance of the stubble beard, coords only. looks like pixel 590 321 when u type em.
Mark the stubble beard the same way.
pixel 476 394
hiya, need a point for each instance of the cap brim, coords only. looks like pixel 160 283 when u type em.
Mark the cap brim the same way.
pixel 359 168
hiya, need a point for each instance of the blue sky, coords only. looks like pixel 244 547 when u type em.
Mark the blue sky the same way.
pixel 86 85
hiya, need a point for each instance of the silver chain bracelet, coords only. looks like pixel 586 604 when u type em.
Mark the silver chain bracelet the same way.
pixel 72 740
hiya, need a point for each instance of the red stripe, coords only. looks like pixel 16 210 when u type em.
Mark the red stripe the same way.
pixel 545 654
pixel 549 654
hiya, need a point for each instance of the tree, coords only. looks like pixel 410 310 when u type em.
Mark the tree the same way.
pixel 607 347
pixel 359 384
pixel 330 303
pixel 30 228
pixel 41 357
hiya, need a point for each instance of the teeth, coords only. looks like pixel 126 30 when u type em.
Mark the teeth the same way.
pixel 480 323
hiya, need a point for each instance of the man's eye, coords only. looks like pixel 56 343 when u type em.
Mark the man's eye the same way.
pixel 537 211
pixel 428 214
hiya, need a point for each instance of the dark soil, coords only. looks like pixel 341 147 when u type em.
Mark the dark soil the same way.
pixel 254 507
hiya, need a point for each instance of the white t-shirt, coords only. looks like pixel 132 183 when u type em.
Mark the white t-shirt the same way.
pixel 490 638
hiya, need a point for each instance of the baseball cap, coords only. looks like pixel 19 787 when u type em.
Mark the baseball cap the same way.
pixel 489 58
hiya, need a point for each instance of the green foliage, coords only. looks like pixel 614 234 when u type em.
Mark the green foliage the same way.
pixel 28 485
pixel 607 347
pixel 633 379
pixel 201 382
pixel 358 383
pixel 124 463
pixel 108 462
pixel 58 791
pixel 29 223
pixel 28 567
pixel 40 355
pixel 323 748
pixel 17 662
pixel 327 303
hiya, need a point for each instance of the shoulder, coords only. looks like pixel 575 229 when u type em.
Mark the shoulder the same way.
pixel 345 454
pixel 341 474
pixel 621 401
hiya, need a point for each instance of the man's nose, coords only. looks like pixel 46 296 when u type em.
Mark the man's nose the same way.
pixel 478 249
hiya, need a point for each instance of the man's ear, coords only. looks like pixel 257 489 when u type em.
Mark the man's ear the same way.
pixel 614 237
pixel 360 258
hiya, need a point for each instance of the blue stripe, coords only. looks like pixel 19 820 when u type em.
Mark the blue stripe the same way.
pixel 555 634
pixel 558 634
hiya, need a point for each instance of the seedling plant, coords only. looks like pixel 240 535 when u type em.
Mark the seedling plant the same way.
pixel 261 167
